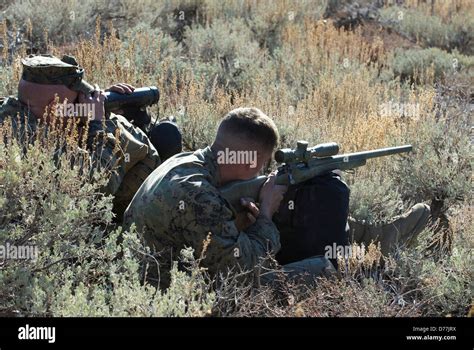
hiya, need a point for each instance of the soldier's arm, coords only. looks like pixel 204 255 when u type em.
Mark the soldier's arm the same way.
pixel 106 153
pixel 117 146
pixel 209 212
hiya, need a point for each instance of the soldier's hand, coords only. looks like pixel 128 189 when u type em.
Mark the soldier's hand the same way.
pixel 121 88
pixel 247 217
pixel 97 101
pixel 271 195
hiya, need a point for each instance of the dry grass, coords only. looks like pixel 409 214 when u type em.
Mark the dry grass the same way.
pixel 319 84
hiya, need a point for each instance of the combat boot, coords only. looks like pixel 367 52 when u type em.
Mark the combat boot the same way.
pixel 401 230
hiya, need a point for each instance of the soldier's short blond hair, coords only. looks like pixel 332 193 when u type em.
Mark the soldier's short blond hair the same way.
pixel 251 124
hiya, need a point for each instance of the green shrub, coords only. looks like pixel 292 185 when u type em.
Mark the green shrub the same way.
pixel 444 286
pixel 148 50
pixel 431 31
pixel 83 266
pixel 6 83
pixel 225 52
pixel 267 21
pixel 412 64
pixel 375 197
pixel 440 166
pixel 66 19
pixel 463 38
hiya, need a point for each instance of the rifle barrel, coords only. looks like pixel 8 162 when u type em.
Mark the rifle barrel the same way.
pixel 377 152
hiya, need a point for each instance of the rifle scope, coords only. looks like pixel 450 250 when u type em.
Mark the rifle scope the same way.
pixel 303 154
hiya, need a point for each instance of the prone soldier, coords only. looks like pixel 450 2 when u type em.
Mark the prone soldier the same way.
pixel 114 143
pixel 180 203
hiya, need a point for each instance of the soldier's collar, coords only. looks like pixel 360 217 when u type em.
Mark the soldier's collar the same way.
pixel 210 160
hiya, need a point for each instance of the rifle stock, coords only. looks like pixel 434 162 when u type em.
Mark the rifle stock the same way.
pixel 236 190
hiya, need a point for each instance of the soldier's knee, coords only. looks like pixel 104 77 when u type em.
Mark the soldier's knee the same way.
pixel 167 139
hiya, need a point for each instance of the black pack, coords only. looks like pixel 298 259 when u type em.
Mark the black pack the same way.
pixel 312 216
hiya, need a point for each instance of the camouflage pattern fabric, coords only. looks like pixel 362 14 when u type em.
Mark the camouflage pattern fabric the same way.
pixel 47 69
pixel 127 152
pixel 179 204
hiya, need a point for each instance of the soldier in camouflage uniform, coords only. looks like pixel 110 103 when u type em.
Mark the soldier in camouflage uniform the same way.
pixel 179 205
pixel 115 143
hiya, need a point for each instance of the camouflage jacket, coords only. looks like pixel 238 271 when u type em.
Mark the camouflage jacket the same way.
pixel 179 204
pixel 115 144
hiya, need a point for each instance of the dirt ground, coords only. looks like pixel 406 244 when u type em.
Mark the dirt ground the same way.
pixel 372 30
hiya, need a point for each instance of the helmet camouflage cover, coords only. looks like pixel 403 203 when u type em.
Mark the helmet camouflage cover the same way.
pixel 47 69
